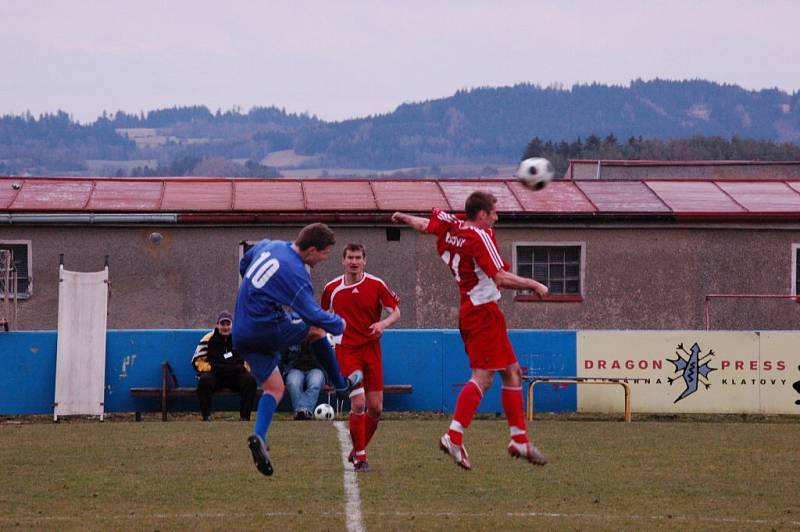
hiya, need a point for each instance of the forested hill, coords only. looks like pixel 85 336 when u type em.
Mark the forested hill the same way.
pixel 490 124
pixel 478 126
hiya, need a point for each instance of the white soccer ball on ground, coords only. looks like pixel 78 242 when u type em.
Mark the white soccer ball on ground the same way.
pixel 324 412
pixel 535 173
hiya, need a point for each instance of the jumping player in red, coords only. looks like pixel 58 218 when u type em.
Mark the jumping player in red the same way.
pixel 360 299
pixel 469 249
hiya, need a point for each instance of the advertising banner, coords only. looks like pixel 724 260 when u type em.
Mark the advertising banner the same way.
pixel 691 371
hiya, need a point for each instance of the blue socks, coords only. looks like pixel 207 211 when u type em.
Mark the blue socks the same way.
pixel 266 407
pixel 325 355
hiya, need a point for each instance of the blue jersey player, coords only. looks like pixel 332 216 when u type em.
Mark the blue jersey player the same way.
pixel 274 276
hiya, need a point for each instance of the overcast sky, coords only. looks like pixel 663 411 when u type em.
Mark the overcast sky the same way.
pixel 343 59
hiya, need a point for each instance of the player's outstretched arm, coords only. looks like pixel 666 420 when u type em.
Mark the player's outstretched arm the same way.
pixel 416 222
pixel 304 304
pixel 506 279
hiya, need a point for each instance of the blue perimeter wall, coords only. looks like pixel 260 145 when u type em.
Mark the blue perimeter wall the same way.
pixel 432 361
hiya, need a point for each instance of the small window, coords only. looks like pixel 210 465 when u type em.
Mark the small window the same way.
pixel 796 269
pixel 557 265
pixel 15 260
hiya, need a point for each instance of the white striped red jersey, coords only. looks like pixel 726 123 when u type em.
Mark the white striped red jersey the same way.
pixel 471 254
pixel 360 304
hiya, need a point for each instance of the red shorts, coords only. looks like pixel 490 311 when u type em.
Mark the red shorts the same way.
pixel 483 330
pixel 367 358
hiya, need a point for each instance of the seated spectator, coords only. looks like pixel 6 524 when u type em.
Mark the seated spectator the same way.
pixel 304 379
pixel 218 366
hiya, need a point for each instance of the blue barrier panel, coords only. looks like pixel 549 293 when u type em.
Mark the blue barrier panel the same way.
pixel 540 352
pixel 548 353
pixel 432 361
pixel 413 357
pixel 28 378
pixel 457 373
pixel 134 358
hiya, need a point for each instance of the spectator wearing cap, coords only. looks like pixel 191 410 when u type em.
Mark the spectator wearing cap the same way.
pixel 219 366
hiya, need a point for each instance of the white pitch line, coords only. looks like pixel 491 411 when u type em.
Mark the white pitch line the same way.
pixel 352 506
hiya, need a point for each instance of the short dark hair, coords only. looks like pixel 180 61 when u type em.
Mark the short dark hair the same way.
pixel 354 247
pixel 479 201
pixel 316 235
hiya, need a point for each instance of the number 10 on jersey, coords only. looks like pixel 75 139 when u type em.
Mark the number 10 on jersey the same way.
pixel 263 268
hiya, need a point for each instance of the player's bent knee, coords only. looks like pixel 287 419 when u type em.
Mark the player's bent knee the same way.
pixel 357 403
pixel 274 389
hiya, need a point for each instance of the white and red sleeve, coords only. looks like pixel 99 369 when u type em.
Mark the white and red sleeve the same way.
pixel 486 254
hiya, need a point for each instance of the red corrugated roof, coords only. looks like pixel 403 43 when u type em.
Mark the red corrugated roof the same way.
pixel 622 196
pixel 52 195
pixel 262 199
pixel 330 195
pixel 269 195
pixel 126 196
pixel 457 192
pixel 694 197
pixel 559 196
pixel 198 196
pixel 762 196
pixel 409 195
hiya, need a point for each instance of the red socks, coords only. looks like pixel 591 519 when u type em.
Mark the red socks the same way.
pixel 466 406
pixel 362 428
pixel 371 423
pixel 357 434
pixel 515 413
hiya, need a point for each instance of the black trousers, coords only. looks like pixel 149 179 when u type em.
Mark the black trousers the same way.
pixel 243 383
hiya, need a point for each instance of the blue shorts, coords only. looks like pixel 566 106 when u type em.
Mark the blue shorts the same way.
pixel 263 350
pixel 262 364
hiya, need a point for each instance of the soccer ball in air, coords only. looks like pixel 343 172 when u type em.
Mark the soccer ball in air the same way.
pixel 535 173
pixel 323 412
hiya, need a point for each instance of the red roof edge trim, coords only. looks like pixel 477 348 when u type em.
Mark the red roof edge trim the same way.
pixel 738 216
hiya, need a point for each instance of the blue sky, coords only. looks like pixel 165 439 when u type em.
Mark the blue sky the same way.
pixel 343 59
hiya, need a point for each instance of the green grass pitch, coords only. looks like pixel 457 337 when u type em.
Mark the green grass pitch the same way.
pixel 607 475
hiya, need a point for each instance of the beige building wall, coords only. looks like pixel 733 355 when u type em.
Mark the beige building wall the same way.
pixel 642 276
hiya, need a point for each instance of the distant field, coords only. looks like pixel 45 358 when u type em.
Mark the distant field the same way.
pixel 603 475
pixel 145 137
pixel 286 158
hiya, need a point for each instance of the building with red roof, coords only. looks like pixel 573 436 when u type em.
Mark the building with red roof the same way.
pixel 622 252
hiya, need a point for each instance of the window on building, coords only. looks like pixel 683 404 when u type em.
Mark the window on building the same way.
pixel 557 265
pixel 20 251
pixel 796 269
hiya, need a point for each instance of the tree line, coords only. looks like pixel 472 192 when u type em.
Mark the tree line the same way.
pixel 636 148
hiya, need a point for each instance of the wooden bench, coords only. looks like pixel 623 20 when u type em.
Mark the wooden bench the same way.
pixel 533 380
pixel 169 388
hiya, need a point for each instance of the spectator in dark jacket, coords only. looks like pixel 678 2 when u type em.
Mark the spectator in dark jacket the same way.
pixel 219 366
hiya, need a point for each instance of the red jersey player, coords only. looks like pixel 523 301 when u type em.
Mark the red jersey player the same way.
pixel 469 249
pixel 360 299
